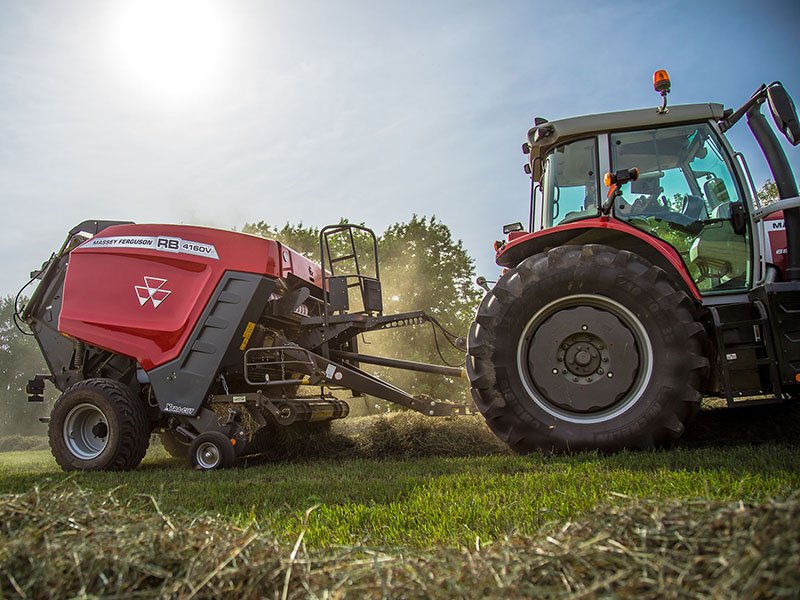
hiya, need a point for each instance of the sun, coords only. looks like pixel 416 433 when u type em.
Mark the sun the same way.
pixel 173 51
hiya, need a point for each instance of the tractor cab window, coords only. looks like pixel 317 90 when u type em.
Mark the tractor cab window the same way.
pixel 684 196
pixel 570 183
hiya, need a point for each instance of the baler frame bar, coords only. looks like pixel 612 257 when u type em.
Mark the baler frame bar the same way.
pixel 339 375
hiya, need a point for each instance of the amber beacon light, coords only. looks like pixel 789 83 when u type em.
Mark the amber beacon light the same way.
pixel 662 84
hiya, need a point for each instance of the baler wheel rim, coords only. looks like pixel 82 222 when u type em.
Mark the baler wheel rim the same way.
pixel 208 455
pixel 85 431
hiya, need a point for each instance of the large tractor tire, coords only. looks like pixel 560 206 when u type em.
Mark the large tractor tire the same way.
pixel 99 425
pixel 586 347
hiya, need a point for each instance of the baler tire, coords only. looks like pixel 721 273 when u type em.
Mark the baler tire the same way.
pixel 118 414
pixel 550 304
pixel 174 445
pixel 211 450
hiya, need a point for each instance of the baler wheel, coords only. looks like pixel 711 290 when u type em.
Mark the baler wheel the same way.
pixel 211 450
pixel 99 425
pixel 587 347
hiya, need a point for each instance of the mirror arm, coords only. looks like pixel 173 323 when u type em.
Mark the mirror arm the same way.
pixel 757 98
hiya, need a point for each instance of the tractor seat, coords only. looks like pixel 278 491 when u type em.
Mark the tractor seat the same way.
pixel 694 208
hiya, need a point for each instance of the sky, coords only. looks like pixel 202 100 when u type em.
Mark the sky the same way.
pixel 220 113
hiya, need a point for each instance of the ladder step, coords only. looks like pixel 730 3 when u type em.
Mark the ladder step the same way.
pixel 735 324
pixel 733 366
pixel 745 346
pixel 341 258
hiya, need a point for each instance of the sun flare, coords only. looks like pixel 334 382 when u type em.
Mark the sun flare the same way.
pixel 171 50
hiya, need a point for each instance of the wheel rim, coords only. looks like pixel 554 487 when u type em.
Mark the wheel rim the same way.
pixel 86 431
pixel 585 358
pixel 207 455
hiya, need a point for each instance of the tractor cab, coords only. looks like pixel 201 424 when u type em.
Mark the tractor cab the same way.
pixel 688 192
pixel 692 191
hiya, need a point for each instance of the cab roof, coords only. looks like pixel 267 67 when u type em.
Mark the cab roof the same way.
pixel 564 129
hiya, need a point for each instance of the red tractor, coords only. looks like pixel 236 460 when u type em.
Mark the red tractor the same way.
pixel 635 294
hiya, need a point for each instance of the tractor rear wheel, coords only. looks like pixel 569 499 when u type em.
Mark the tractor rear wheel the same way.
pixel 98 425
pixel 586 347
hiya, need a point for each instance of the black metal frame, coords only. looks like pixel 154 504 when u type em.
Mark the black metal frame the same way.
pixel 320 369
pixel 366 284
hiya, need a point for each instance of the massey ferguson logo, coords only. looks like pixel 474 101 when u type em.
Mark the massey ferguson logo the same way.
pixel 152 290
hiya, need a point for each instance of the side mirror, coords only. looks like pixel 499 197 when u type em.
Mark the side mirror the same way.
pixel 738 218
pixel 784 113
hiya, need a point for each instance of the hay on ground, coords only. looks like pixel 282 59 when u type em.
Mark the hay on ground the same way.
pixel 67 542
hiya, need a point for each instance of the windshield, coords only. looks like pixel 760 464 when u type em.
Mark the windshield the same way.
pixel 684 195
pixel 570 183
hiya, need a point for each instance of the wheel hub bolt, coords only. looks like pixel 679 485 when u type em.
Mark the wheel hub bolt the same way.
pixel 584 327
pixel 555 371
pixel 610 375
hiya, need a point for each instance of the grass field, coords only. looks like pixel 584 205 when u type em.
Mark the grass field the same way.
pixel 441 494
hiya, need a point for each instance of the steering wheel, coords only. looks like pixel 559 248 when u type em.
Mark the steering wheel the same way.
pixel 650 205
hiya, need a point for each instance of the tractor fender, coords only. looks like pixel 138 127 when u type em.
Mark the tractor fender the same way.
pixel 600 230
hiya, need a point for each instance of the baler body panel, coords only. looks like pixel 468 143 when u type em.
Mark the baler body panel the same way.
pixel 139 290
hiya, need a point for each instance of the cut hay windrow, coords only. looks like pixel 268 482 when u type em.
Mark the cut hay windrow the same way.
pixel 396 435
pixel 66 542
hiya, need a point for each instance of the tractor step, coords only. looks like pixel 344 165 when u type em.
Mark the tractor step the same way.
pixel 747 356
pixel 782 303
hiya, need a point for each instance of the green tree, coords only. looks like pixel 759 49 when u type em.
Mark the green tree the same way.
pixel 304 240
pixel 20 360
pixel 768 193
pixel 423 268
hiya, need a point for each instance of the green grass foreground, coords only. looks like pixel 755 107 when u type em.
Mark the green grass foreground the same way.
pixel 453 500
pixel 419 502
pixel 403 506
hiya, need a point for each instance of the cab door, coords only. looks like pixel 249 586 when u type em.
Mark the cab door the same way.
pixel 687 196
